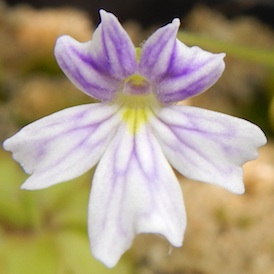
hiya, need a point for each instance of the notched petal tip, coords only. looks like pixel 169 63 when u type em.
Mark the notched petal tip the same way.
pixel 63 145
pixel 222 55
pixel 182 71
pixel 98 67
pixel 108 17
pixel 26 186
pixel 239 191
pixel 191 72
pixel 13 144
pixel 176 22
pixel 105 15
pixel 221 61
pixel 160 43
pixel 207 146
pixel 62 43
pixel 134 190
pixel 6 145
pixel 260 136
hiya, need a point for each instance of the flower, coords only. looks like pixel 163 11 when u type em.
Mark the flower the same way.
pixel 135 134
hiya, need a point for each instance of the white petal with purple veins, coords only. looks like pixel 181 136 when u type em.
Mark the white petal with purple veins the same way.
pixel 157 51
pixel 64 145
pixel 142 195
pixel 177 71
pixel 207 146
pixel 99 66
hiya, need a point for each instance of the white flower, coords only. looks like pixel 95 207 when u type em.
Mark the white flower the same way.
pixel 135 133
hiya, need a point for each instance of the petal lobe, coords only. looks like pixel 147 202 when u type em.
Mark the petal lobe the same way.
pixel 207 146
pixel 143 197
pixel 63 145
pixel 99 66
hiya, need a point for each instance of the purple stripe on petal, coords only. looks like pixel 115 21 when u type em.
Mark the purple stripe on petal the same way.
pixel 118 46
pixel 65 144
pixel 94 64
pixel 207 146
pixel 185 86
pixel 158 50
pixel 98 67
pixel 203 70
pixel 86 75
pixel 139 194
pixel 175 70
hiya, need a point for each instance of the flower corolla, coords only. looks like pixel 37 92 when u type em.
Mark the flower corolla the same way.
pixel 136 134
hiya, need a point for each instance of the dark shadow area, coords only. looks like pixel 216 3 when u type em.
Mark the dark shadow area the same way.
pixel 148 12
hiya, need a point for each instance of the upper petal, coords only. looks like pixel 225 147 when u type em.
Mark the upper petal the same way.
pixel 97 67
pixel 64 145
pixel 177 71
pixel 134 190
pixel 207 146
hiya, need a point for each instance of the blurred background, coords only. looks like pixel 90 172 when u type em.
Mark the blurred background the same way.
pixel 45 231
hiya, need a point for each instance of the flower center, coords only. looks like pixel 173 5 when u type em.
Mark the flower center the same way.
pixel 136 85
pixel 137 100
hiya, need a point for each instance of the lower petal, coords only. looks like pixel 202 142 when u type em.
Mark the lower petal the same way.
pixel 63 145
pixel 134 190
pixel 207 146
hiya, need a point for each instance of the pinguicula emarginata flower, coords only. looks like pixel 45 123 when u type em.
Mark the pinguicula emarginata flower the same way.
pixel 135 134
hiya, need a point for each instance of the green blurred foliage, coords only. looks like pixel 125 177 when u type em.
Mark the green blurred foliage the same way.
pixel 260 107
pixel 245 52
pixel 45 231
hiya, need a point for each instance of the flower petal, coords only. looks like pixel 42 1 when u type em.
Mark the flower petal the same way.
pixel 177 71
pixel 207 146
pixel 98 66
pixel 63 145
pixel 134 190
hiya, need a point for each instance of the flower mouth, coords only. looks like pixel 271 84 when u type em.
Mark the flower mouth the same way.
pixel 136 85
pixel 136 93
pixel 137 100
